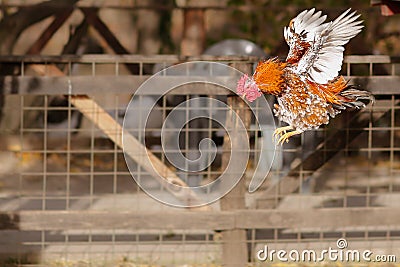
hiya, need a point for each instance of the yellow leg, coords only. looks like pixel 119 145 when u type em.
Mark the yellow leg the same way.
pixel 278 132
pixel 286 137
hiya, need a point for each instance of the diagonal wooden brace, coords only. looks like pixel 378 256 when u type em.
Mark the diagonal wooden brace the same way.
pixel 95 113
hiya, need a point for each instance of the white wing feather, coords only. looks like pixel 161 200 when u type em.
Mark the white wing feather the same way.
pixel 323 60
pixel 305 25
pixel 309 23
pixel 329 59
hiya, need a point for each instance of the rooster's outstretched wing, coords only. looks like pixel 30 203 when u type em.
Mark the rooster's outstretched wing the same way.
pixel 316 48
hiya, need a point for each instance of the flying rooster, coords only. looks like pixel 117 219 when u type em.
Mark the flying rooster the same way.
pixel 307 86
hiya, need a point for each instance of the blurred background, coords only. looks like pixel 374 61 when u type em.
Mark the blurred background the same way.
pixel 189 27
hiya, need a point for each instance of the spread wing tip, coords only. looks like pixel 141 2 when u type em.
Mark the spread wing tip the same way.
pixel 324 61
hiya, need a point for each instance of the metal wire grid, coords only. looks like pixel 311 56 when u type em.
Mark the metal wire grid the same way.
pixel 66 176
pixel 90 174
pixel 80 152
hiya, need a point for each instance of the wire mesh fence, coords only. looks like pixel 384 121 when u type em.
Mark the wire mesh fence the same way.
pixel 68 197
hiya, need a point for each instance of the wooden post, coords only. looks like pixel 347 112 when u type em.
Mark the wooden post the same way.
pixel 234 248
pixel 193 32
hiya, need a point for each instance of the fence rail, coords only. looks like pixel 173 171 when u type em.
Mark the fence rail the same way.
pixel 325 219
pixel 90 82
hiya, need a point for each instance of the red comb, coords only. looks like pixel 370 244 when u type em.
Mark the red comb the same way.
pixel 241 84
pixel 248 88
pixel 252 92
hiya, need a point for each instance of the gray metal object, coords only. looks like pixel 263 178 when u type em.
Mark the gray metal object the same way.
pixel 235 47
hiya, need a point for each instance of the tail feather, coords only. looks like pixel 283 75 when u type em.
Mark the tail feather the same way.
pixel 352 97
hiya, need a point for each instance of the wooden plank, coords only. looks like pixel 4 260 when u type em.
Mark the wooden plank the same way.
pixel 57 85
pixel 129 58
pixel 367 59
pixel 379 85
pixel 128 84
pixel 327 219
pixel 324 219
pixel 80 220
pixel 357 59
pixel 89 58
pixel 135 58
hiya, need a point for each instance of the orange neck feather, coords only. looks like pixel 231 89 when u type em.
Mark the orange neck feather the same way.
pixel 269 76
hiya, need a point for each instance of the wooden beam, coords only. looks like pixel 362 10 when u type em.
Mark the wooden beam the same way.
pixel 379 85
pixel 128 84
pixel 358 59
pixel 94 20
pixel 326 219
pixel 123 58
pixel 91 85
pixel 193 39
pixel 135 58
pixel 48 33
pixel 12 26
pixel 71 47
pixel 75 38
pixel 137 151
